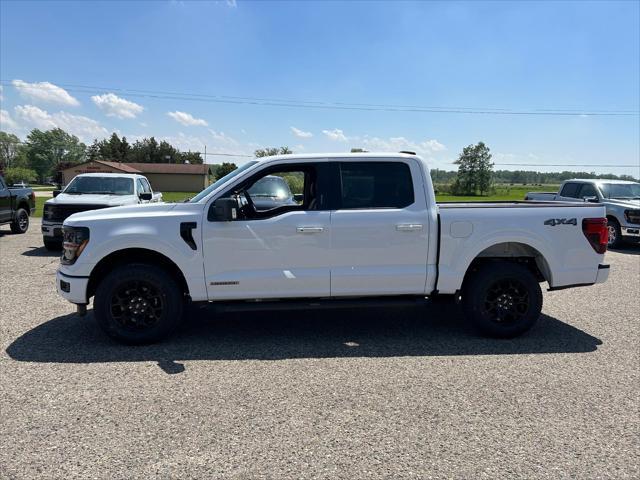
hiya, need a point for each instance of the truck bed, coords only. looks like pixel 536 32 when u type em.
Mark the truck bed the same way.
pixel 515 204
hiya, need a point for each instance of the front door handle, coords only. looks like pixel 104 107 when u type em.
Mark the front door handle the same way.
pixel 309 229
pixel 409 227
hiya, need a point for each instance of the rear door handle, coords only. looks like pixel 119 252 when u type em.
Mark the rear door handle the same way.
pixel 409 227
pixel 309 229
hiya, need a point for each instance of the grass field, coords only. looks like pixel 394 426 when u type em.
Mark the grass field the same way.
pixel 503 192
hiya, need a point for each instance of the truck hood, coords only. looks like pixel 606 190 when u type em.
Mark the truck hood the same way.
pixel 622 203
pixel 91 199
pixel 129 213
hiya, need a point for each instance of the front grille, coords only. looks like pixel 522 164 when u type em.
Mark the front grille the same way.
pixel 59 213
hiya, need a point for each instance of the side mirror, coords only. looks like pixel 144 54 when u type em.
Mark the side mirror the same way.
pixel 145 196
pixel 224 209
pixel 298 197
pixel 56 193
pixel 591 199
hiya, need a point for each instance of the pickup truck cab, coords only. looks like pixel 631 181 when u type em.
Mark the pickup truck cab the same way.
pixel 621 199
pixel 16 205
pixel 92 191
pixel 366 230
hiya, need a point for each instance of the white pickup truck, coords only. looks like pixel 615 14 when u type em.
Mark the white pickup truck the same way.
pixel 364 229
pixel 92 191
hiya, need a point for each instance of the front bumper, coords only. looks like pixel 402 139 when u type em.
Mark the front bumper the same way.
pixel 73 289
pixel 52 230
pixel 630 231
pixel 603 273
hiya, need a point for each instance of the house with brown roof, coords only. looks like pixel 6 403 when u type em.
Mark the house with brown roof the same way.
pixel 164 177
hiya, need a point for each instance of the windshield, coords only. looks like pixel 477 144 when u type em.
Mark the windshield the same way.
pixel 620 190
pixel 104 185
pixel 270 186
pixel 222 180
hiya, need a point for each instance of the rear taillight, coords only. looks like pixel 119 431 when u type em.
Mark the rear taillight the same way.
pixel 595 229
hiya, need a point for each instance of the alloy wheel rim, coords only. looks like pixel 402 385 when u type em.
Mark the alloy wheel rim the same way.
pixel 506 301
pixel 612 234
pixel 137 305
pixel 23 221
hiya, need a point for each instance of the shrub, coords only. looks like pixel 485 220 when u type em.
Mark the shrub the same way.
pixel 18 174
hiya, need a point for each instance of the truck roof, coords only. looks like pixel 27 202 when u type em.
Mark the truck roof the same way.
pixel 351 156
pixel 598 180
pixel 120 175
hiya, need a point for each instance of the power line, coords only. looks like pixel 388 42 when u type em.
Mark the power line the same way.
pixel 313 104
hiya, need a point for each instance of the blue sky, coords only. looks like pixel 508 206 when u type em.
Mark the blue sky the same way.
pixel 107 65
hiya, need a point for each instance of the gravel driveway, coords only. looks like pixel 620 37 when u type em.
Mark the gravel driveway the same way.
pixel 358 394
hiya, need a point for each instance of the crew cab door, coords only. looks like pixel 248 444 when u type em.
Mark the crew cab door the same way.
pixel 279 246
pixel 380 229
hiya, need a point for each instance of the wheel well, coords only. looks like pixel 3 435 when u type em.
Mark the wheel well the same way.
pixel 134 255
pixel 25 206
pixel 515 252
pixel 611 217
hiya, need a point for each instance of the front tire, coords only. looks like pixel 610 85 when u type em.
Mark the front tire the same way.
pixel 502 299
pixel 615 233
pixel 138 304
pixel 52 245
pixel 20 223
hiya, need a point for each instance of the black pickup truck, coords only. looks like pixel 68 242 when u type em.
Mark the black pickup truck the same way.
pixel 16 205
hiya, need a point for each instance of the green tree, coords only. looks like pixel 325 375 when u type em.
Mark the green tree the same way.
pixel 9 149
pixel 270 151
pixel 225 169
pixel 19 174
pixel 190 157
pixel 46 151
pixel 475 170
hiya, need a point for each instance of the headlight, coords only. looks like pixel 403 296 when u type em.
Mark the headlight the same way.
pixel 75 240
pixel 632 216
pixel 47 212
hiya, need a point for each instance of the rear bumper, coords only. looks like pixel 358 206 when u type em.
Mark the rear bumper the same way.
pixel 74 289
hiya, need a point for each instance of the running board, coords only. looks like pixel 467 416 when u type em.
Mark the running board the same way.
pixel 320 303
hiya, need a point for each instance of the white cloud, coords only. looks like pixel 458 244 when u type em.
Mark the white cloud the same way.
pixel 114 106
pixel 6 122
pixel 45 92
pixel 300 133
pixel 336 135
pixel 1 97
pixel 232 3
pixel 396 144
pixel 222 137
pixel 187 119
pixel 83 127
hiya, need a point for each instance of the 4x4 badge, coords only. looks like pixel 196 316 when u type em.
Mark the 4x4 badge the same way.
pixel 561 221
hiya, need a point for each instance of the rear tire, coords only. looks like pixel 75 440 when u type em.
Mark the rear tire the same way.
pixel 502 299
pixel 138 304
pixel 615 233
pixel 52 245
pixel 21 222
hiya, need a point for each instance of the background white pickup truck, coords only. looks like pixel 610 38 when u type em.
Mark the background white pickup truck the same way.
pixel 364 228
pixel 92 191
pixel 621 199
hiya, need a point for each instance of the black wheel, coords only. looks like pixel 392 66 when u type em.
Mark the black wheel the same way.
pixel 50 244
pixel 20 223
pixel 502 299
pixel 615 234
pixel 138 304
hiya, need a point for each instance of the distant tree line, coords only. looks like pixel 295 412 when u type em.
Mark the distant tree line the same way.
pixel 43 154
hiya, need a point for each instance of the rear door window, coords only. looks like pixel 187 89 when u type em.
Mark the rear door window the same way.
pixel 570 190
pixel 375 185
